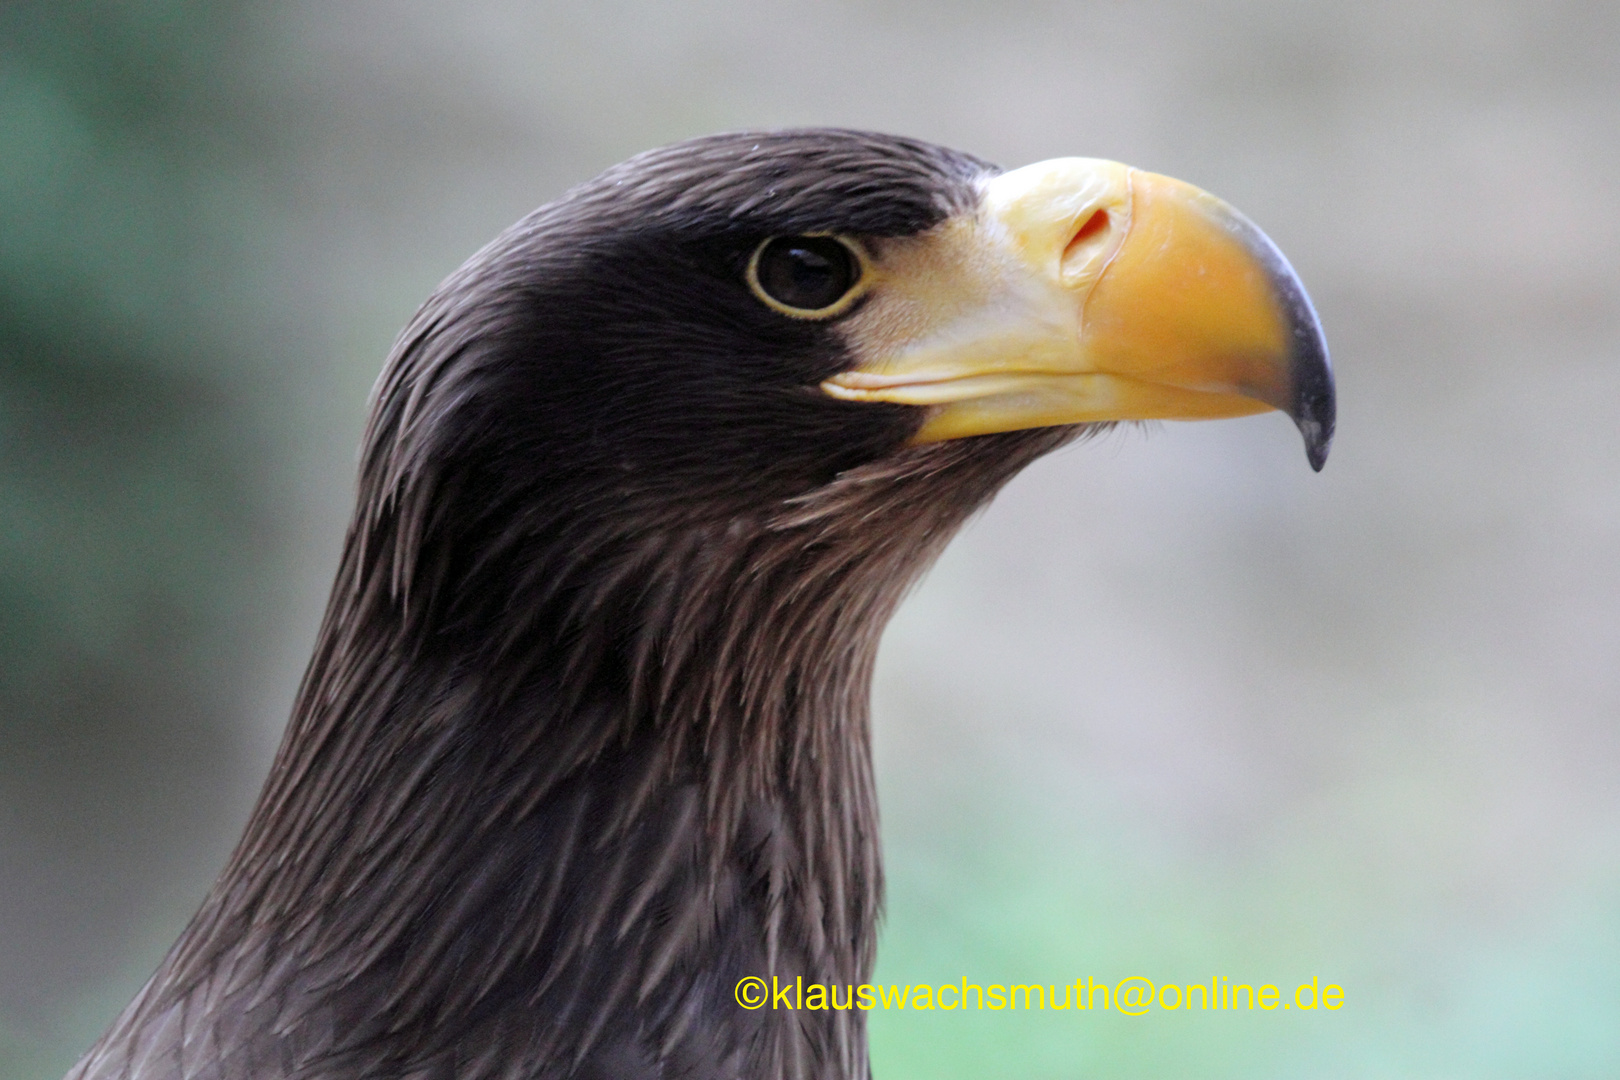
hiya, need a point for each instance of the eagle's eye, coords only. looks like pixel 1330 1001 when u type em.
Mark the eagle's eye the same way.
pixel 807 277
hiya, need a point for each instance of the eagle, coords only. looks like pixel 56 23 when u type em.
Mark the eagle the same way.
pixel 585 741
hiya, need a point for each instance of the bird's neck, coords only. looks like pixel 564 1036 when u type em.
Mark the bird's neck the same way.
pixel 577 844
pixel 554 829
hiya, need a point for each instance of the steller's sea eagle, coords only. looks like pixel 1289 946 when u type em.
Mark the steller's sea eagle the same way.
pixel 584 740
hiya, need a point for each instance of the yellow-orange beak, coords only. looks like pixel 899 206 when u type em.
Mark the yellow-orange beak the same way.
pixel 1086 291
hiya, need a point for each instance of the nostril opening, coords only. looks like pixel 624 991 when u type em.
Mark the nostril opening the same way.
pixel 1087 242
pixel 1095 224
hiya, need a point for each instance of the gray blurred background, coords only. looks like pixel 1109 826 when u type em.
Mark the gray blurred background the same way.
pixel 1174 707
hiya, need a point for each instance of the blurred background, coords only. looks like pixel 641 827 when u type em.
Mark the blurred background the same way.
pixel 1174 707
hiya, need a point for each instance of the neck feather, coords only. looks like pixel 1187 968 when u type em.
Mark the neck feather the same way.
pixel 562 835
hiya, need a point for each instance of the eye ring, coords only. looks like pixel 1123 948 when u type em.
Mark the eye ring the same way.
pixel 809 275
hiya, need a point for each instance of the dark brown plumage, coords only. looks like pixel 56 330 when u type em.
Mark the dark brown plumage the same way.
pixel 585 736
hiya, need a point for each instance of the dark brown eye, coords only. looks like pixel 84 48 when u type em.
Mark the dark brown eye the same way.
pixel 805 276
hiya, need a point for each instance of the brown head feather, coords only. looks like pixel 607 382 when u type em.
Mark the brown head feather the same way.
pixel 585 736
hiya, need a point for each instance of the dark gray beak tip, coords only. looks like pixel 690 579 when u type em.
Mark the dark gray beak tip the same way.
pixel 1315 406
pixel 1311 402
pixel 1317 441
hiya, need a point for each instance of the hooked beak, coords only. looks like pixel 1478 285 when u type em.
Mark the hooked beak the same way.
pixel 1095 292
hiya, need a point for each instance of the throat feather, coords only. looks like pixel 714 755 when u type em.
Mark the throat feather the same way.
pixel 568 830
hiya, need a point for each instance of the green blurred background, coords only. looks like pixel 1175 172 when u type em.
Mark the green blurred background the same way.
pixel 1173 707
